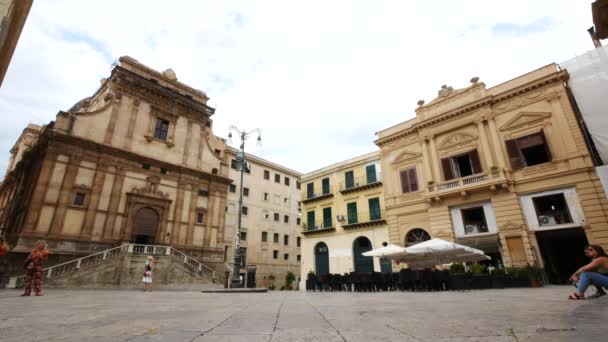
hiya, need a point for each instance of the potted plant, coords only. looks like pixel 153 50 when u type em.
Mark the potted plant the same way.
pixel 459 279
pixel 289 279
pixel 535 274
pixel 480 279
pixel 271 278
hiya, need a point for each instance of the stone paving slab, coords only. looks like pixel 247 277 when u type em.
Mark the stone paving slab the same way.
pixel 510 315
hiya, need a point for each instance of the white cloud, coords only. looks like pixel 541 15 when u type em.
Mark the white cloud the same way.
pixel 319 77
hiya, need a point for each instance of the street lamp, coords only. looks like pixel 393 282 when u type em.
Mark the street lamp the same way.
pixel 240 160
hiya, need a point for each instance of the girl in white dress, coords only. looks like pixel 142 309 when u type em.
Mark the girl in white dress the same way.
pixel 147 279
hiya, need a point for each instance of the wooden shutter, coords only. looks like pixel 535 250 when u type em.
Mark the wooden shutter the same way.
pixel 370 172
pixel 351 209
pixel 476 165
pixel 413 180
pixel 310 190
pixel 448 173
pixel 327 221
pixel 514 156
pixel 405 182
pixel 542 134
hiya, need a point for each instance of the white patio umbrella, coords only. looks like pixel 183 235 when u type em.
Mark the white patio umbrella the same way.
pixel 385 251
pixel 438 251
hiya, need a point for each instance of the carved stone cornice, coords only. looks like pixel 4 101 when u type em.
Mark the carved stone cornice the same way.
pixel 487 101
pixel 162 97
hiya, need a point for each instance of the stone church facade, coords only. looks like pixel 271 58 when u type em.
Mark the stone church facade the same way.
pixel 136 162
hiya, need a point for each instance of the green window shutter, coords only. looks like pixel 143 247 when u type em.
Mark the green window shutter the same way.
pixel 311 220
pixel 351 211
pixel 350 179
pixel 325 184
pixel 327 217
pixel 310 190
pixel 374 209
pixel 370 171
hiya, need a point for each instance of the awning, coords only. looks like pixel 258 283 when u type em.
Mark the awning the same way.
pixel 488 243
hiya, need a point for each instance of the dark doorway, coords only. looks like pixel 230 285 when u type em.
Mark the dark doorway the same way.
pixel 363 263
pixel 145 224
pixel 321 259
pixel 562 251
pixel 251 277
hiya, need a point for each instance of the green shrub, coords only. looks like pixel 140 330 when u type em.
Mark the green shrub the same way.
pixel 289 279
pixel 456 268
pixel 478 269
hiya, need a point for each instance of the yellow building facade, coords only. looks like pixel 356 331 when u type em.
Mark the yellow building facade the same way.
pixel 504 169
pixel 342 215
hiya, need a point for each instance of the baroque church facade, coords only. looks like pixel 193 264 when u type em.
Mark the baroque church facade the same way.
pixel 136 162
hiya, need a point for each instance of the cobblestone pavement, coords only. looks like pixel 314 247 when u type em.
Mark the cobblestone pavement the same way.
pixel 491 315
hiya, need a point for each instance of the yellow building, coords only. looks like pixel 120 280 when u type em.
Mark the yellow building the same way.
pixel 505 169
pixel 342 217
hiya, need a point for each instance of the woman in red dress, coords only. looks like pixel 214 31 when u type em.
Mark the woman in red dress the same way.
pixel 33 265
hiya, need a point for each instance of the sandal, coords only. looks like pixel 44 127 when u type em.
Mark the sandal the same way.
pixel 575 296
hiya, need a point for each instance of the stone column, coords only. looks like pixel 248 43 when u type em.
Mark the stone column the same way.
pixel 191 215
pixel 500 158
pixel 564 138
pixel 427 164
pixel 108 229
pixel 435 160
pixel 65 196
pixel 89 219
pixel 177 215
pixel 40 193
pixel 487 153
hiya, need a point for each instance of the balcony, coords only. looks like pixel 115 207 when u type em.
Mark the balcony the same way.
pixel 317 228
pixel 466 184
pixel 318 197
pixel 363 220
pixel 359 184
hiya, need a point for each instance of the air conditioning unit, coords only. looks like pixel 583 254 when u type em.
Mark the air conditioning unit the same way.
pixel 340 217
pixel 470 229
pixel 546 220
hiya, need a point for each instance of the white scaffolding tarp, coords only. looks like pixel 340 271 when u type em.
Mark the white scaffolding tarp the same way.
pixel 589 84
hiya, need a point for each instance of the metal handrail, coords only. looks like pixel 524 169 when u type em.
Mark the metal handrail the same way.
pixel 93 259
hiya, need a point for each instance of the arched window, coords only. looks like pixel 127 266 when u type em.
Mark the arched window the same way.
pixel 362 263
pixel 415 236
pixel 321 258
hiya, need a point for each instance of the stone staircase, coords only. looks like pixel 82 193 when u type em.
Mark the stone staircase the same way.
pixel 123 266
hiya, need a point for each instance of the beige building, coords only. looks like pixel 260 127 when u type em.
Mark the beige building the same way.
pixel 135 162
pixel 505 169
pixel 13 14
pixel 343 216
pixel 269 239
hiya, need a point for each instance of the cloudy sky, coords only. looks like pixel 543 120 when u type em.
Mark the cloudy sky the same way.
pixel 318 77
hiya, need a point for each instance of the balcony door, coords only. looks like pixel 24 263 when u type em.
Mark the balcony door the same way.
pixel 462 165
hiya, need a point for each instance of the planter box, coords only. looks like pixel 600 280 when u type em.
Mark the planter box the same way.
pixel 498 282
pixel 459 282
pixel 481 282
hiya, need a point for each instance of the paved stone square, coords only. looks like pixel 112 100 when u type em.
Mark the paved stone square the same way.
pixel 488 315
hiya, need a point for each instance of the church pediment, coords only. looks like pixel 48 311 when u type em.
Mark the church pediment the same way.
pixel 406 156
pixel 456 139
pixel 524 118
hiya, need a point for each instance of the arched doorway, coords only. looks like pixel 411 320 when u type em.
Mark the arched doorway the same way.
pixel 362 263
pixel 145 225
pixel 321 258
pixel 416 236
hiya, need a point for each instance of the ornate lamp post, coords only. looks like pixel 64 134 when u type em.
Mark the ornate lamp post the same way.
pixel 240 159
